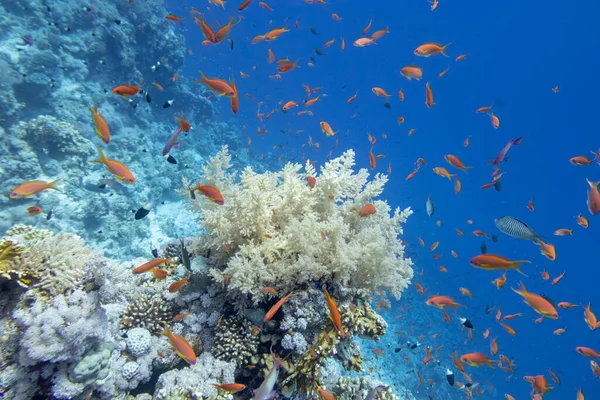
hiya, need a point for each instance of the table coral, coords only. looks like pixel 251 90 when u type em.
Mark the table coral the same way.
pixel 274 230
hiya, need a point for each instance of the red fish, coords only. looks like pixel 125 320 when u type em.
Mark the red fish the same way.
pixel 28 189
pixel 211 192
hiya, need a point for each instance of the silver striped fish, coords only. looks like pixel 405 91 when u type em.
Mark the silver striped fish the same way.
pixel 516 228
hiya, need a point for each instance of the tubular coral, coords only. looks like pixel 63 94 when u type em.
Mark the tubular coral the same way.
pixel 274 230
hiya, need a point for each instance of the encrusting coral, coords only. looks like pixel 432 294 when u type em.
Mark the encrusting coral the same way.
pixel 274 230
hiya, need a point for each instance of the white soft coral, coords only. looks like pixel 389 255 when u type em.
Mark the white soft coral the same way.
pixel 274 230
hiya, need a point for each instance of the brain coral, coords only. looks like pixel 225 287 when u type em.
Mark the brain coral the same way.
pixel 274 230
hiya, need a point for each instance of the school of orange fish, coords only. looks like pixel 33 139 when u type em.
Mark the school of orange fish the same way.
pixel 490 262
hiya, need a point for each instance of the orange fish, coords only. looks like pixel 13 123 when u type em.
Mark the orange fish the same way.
pixel 563 232
pixel 28 189
pixel 219 86
pixel 582 221
pixel 265 6
pixel 444 72
pixel 495 120
pixel 483 109
pixel 590 318
pixel 537 302
pixel 380 33
pixel 559 331
pixel 181 346
pixel 428 96
pixel 245 4
pixel 325 395
pixel 581 160
pixel 351 99
pixel 443 172
pixel 412 72
pixel 34 210
pixel 287 66
pixel 547 250
pixel 119 170
pixel 456 162
pixel 442 301
pixel 434 246
pixel 380 92
pixel 494 347
pixel 491 262
pixel 558 278
pixel 334 313
pixel 126 90
pixel 430 49
pixel 366 211
pixel 326 128
pixel 211 192
pixel 100 124
pixel 158 86
pixel 461 57
pixel 566 304
pixel 173 17
pixel 476 360
pixel 230 387
pixel 312 181
pixel 466 292
pixel 159 274
pixel 176 286
pixel 593 197
pixel 500 282
pixel 149 265
pixel 457 185
pixel 276 307
pixel 372 159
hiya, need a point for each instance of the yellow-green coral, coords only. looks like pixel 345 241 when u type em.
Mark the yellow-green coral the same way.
pixel 9 251
pixel 363 321
pixel 52 264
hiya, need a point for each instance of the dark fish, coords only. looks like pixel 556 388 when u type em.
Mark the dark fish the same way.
pixel 185 256
pixel 483 248
pixel 230 44
pixel 313 31
pixel 515 228
pixel 143 211
pixel 49 216
pixel 312 59
pixel 387 105
pixel 319 51
pixel 466 323
pixel 489 310
pixel 450 377
pixel 168 103
pixel 148 99
pixel 498 185
pixel 208 254
pixel 494 238
pixel 192 195
pixel 429 207
pixel 132 103
pixel 170 159
pixel 397 349
pixel 155 252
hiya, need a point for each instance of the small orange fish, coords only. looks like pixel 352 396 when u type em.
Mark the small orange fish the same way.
pixel 560 331
pixel 380 92
pixel 176 286
pixel 126 90
pixel 495 120
pixel 483 109
pixel 159 274
pixel 443 172
pixel 428 96
pixel 28 189
pixel 431 49
pixel 100 124
pixel 582 221
pixel 211 192
pixel 412 72
pixel 271 313
pixel 34 210
pixel 558 278
pixel 181 346
pixel 119 170
pixel 230 387
pixel 173 17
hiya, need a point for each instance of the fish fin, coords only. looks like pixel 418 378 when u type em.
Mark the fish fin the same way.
pixel 102 158
pixel 593 185
pixel 51 184
pixel 444 49
pixel 516 265
pixel 203 78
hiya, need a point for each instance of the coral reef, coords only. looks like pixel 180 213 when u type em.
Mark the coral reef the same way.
pixel 281 233
pixel 52 264
pixel 149 312
pixel 196 381
pixel 350 388
pixel 235 341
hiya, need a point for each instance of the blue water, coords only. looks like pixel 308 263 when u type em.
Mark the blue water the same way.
pixel 517 52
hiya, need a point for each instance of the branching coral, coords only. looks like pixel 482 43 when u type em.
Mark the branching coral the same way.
pixel 53 264
pixel 149 312
pixel 235 341
pixel 279 232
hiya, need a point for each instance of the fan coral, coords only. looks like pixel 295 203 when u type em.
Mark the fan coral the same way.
pixel 148 312
pixel 277 231
pixel 235 341
pixel 53 264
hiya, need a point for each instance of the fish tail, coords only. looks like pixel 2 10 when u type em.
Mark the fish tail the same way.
pixel 444 49
pixel 102 158
pixel 593 185
pixel 203 78
pixel 51 184
pixel 166 332
pixel 517 264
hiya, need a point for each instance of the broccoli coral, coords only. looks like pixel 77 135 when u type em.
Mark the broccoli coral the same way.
pixel 275 230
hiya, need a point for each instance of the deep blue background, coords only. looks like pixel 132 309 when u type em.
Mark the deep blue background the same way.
pixel 517 51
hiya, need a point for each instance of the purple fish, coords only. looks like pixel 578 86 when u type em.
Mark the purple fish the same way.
pixel 501 157
pixel 171 142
